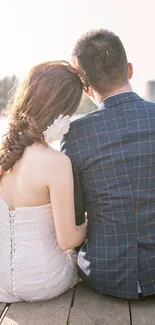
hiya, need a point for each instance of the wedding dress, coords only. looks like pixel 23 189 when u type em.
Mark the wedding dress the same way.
pixel 32 264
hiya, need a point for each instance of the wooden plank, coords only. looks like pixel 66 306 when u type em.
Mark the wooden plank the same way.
pixel 91 308
pixel 51 312
pixel 3 310
pixel 2 306
pixel 143 312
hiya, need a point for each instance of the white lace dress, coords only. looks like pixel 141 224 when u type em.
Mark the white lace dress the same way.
pixel 32 265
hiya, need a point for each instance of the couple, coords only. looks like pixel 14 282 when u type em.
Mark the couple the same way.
pixel 106 166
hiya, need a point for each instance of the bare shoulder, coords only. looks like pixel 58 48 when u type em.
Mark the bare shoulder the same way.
pixel 55 160
pixel 46 164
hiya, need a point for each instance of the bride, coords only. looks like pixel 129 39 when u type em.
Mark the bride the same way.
pixel 37 218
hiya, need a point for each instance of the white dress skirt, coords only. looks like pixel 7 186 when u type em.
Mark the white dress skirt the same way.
pixel 32 265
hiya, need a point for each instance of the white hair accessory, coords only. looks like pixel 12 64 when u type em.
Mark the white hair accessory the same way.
pixel 59 127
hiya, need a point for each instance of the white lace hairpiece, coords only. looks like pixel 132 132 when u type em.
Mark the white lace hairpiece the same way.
pixel 57 129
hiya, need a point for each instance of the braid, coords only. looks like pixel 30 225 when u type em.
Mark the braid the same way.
pixel 18 137
pixel 50 89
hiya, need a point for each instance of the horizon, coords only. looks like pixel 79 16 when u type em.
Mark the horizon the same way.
pixel 33 32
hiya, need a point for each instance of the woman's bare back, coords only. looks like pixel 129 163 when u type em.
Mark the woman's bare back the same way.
pixel 26 184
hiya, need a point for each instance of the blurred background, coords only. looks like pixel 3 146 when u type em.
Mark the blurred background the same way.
pixel 33 31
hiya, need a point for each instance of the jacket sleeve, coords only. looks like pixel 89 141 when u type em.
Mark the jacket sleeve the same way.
pixel 78 190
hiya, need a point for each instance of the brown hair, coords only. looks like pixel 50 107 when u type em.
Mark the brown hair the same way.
pixel 50 89
pixel 101 56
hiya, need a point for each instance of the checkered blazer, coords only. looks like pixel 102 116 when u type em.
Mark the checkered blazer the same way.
pixel 113 155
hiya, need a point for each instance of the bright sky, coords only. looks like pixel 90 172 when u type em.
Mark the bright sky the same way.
pixel 32 31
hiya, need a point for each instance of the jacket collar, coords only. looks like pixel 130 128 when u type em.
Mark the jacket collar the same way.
pixel 118 99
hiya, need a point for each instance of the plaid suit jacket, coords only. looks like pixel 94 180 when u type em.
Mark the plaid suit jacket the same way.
pixel 113 155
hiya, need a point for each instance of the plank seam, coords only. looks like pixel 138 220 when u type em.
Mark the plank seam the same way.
pixel 130 312
pixel 71 305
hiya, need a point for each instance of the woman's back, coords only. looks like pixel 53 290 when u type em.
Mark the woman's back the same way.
pixel 33 266
pixel 25 184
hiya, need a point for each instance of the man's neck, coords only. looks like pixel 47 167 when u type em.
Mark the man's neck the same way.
pixel 124 89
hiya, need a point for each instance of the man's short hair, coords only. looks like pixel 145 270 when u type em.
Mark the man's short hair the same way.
pixel 102 57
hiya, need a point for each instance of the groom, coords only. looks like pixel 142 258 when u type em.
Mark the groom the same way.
pixel 113 155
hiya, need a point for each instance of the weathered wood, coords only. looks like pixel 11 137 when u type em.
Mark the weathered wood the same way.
pixel 143 312
pixel 52 312
pixel 91 308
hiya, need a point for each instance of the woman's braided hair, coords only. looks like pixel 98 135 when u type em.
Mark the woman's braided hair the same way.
pixel 50 89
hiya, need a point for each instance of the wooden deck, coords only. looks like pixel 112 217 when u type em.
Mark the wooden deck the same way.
pixel 80 306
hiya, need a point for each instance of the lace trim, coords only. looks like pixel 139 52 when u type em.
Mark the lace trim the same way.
pixel 12 215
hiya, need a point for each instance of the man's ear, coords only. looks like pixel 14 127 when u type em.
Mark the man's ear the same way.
pixel 130 70
pixel 89 93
